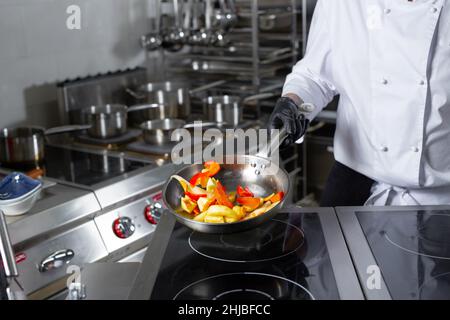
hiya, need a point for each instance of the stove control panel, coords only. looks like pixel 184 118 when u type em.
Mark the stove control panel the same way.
pixel 123 227
pixel 130 227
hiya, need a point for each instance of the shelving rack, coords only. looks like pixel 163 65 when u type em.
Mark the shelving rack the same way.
pixel 257 62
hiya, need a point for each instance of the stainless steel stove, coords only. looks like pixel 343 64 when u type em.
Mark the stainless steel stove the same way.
pixel 299 255
pixel 96 206
pixel 400 253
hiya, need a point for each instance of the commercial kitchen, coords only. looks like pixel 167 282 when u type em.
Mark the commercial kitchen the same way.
pixel 91 96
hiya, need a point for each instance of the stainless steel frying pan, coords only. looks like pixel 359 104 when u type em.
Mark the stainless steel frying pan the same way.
pixel 250 173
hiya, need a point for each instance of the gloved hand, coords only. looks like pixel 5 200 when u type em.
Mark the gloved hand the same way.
pixel 289 116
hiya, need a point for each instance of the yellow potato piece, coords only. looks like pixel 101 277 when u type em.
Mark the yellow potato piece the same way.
pixel 202 204
pixel 214 219
pixel 187 204
pixel 230 220
pixel 221 211
pixel 201 217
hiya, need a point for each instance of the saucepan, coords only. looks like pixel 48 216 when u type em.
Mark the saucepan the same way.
pixel 244 170
pixel 175 96
pixel 109 121
pixel 161 132
pixel 24 146
pixel 229 109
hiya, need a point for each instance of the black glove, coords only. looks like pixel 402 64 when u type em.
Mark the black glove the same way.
pixel 288 115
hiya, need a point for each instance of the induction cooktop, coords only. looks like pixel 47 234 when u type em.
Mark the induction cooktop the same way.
pixel 298 255
pixel 409 246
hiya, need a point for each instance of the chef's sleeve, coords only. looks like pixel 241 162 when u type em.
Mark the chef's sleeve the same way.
pixel 311 77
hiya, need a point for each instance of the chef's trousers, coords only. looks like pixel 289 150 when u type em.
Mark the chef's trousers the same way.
pixel 346 187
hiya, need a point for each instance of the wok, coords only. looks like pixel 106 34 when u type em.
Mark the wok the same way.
pixel 245 170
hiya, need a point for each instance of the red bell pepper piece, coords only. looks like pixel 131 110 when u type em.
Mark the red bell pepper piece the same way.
pixel 199 179
pixel 250 203
pixel 211 168
pixel 277 197
pixel 221 196
pixel 194 196
pixel 196 211
pixel 244 192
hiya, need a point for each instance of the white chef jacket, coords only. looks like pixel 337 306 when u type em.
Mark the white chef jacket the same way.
pixel 389 60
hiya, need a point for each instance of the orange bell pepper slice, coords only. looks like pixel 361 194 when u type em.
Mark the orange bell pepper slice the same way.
pixel 250 203
pixel 211 168
pixel 221 196
pixel 244 192
pixel 199 179
pixel 277 197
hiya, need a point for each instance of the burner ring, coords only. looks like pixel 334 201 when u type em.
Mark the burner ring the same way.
pixel 300 244
pixel 412 251
pixel 243 290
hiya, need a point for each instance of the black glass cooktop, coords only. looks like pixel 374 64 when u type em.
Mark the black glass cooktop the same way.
pixel 412 250
pixel 86 168
pixel 286 258
pixel 83 168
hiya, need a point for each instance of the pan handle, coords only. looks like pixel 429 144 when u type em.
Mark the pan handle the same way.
pixel 142 107
pixel 275 141
pixel 207 86
pixel 65 129
pixel 134 94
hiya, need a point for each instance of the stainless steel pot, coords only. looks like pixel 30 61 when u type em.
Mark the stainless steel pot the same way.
pixel 175 96
pixel 159 132
pixel 24 146
pixel 110 120
pixel 229 109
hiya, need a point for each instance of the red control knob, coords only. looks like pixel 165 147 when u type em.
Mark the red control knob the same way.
pixel 123 227
pixel 153 213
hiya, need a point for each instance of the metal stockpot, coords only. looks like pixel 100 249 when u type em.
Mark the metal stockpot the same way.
pixel 110 120
pixel 229 109
pixel 175 96
pixel 24 146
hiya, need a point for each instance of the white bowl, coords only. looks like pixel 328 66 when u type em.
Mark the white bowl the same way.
pixel 20 205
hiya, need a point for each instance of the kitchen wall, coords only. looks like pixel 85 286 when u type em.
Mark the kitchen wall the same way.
pixel 37 50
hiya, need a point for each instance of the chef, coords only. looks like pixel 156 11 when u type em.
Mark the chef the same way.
pixel 389 61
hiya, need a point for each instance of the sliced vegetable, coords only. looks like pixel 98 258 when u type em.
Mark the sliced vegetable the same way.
pixel 240 212
pixel 232 197
pixel 195 197
pixel 250 204
pixel 205 203
pixel 259 211
pixel 244 192
pixel 211 185
pixel 221 196
pixel 201 217
pixel 268 198
pixel 211 168
pixel 214 219
pixel 187 187
pixel 187 204
pixel 221 211
pixel 196 211
pixel 199 179
pixel 277 197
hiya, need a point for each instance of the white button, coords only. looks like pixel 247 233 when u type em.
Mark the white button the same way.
pixel 384 81
pixel 384 149
pixel 434 10
pixel 387 11
pixel 421 82
pixel 415 149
